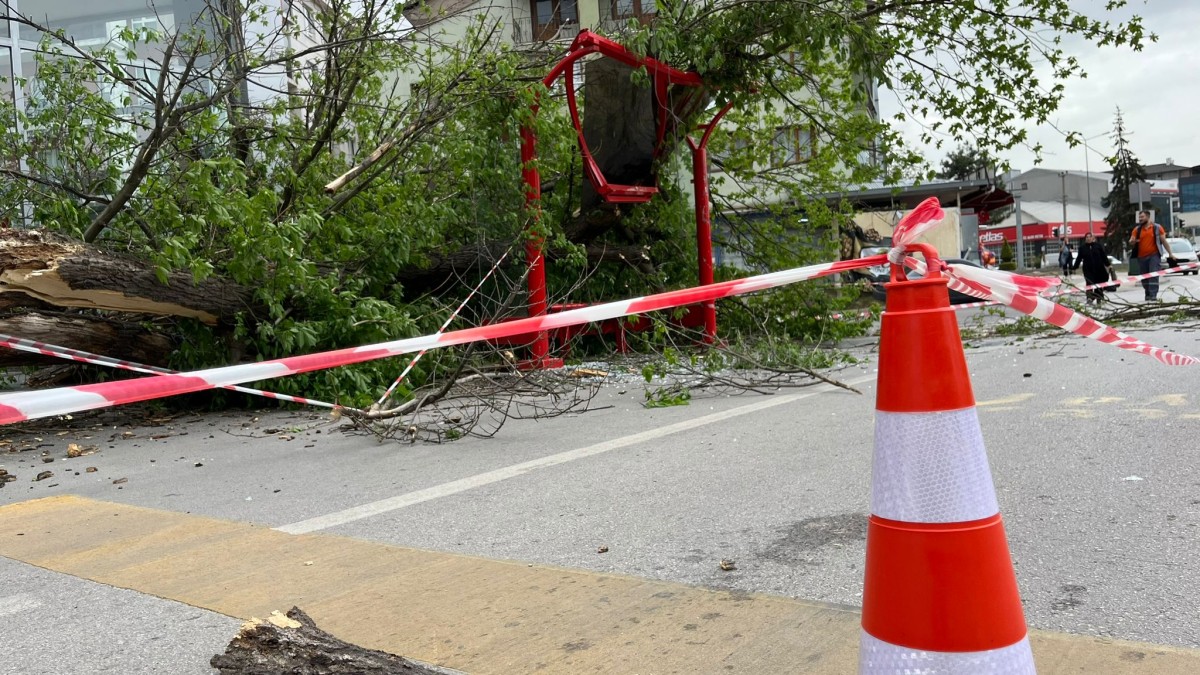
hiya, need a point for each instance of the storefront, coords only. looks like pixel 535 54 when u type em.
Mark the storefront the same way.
pixel 1041 240
pixel 994 237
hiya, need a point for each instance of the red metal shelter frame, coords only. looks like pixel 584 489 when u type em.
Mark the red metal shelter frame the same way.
pixel 662 77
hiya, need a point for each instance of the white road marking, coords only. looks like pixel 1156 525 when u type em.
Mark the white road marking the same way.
pixel 13 604
pixel 462 485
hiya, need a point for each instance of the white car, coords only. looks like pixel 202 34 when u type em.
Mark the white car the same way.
pixel 1184 252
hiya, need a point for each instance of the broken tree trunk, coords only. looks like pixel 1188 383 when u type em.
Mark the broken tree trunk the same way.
pixel 125 340
pixel 293 645
pixel 68 273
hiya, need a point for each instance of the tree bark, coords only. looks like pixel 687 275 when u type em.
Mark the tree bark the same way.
pixel 293 645
pixel 68 273
pixel 128 341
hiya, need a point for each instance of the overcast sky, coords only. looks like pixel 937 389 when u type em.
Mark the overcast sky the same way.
pixel 1157 89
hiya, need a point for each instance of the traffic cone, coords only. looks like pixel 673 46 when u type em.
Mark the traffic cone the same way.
pixel 939 594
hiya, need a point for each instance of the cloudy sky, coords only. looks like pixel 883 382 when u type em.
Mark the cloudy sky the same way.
pixel 1156 88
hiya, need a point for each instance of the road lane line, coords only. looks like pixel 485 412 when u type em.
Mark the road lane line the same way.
pixel 479 480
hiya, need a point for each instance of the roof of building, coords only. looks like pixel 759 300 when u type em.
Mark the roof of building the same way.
pixel 1161 168
pixel 909 194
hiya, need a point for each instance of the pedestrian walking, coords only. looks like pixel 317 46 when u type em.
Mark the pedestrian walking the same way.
pixel 1096 267
pixel 1149 244
pixel 1065 258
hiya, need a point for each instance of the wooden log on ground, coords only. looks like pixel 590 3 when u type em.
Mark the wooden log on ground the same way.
pixel 293 645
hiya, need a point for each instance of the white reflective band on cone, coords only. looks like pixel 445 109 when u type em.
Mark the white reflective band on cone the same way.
pixel 931 468
pixel 877 657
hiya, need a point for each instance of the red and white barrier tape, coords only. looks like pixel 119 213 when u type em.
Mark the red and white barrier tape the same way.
pixel 1009 290
pixel 1017 291
pixel 1127 281
pixel 404 373
pixel 17 407
pixel 57 351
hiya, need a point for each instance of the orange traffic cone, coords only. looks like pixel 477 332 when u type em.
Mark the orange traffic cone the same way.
pixel 939 594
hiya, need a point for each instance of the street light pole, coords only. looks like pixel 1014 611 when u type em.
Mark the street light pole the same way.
pixel 1088 181
pixel 1063 175
pixel 1020 233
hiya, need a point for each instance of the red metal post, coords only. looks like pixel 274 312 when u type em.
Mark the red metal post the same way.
pixel 704 220
pixel 704 235
pixel 540 349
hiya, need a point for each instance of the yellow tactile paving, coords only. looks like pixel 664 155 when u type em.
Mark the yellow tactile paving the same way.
pixel 477 615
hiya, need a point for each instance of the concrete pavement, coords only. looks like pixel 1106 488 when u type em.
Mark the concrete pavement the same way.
pixel 473 614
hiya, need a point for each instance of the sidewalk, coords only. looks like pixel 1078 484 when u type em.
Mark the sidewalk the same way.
pixel 477 615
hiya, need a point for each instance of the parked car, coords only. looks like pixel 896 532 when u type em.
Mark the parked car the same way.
pixel 1184 252
pixel 956 298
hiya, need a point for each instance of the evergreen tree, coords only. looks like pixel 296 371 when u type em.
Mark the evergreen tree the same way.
pixel 1122 214
pixel 965 162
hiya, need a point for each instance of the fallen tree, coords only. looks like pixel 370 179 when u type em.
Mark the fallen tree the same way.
pixel 215 223
pixel 61 272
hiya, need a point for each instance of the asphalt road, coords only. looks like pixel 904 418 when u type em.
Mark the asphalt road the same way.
pixel 1093 452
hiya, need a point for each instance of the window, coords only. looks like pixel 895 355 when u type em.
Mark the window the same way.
pixel 551 15
pixel 735 144
pixel 6 74
pixel 633 9
pixel 1189 196
pixel 792 145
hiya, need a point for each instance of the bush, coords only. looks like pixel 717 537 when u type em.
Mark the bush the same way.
pixel 1007 258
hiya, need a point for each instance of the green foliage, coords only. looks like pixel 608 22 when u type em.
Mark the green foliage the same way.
pixel 1008 258
pixel 824 56
pixel 182 169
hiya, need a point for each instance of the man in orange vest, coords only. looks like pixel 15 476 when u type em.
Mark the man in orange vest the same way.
pixel 1148 242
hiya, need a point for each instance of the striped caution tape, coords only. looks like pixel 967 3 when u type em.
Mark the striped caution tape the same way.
pixel 1129 280
pixel 1020 293
pixel 17 407
pixel 57 351
pixel 1017 291
pixel 446 324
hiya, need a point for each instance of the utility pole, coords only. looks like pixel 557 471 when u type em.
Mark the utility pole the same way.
pixel 1015 190
pixel 1088 171
pixel 1020 232
pixel 1063 175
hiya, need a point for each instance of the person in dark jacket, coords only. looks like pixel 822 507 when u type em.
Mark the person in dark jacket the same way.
pixel 1096 267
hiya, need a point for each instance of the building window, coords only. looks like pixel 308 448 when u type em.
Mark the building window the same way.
pixel 792 145
pixel 633 9
pixel 551 15
pixel 6 74
pixel 1189 196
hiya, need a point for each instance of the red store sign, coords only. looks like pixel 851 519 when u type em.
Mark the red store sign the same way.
pixel 995 236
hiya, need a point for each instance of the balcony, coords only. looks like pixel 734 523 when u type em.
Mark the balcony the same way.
pixel 526 31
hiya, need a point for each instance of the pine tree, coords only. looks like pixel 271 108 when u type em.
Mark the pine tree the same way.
pixel 1122 214
pixel 966 162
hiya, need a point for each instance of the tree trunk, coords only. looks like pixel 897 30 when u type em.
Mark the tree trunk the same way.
pixel 67 273
pixel 293 645
pixel 125 340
